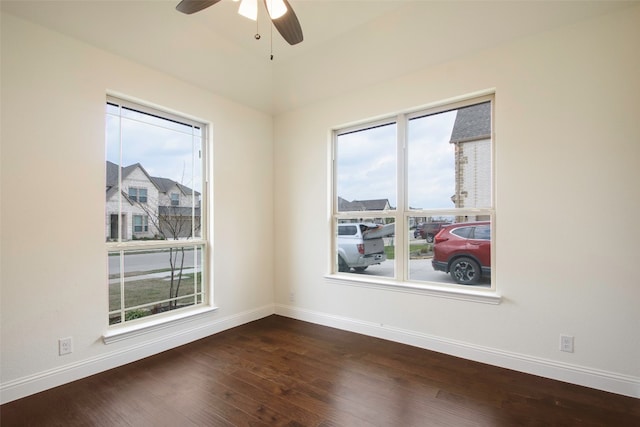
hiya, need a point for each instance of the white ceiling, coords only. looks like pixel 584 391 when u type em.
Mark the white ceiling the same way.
pixel 347 45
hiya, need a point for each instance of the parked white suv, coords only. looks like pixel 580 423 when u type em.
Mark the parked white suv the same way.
pixel 360 245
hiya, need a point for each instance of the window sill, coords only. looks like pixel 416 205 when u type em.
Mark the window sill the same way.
pixel 431 289
pixel 143 327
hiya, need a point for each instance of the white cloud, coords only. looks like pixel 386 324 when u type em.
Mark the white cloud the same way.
pixel 366 163
pixel 163 152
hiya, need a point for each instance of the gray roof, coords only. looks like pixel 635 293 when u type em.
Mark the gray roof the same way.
pixel 362 205
pixel 165 184
pixel 112 172
pixel 112 175
pixel 472 123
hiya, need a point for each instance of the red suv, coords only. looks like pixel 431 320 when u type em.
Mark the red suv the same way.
pixel 464 251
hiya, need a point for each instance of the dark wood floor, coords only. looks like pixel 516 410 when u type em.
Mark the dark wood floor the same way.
pixel 279 371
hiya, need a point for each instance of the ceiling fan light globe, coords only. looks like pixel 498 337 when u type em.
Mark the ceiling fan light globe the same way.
pixel 249 9
pixel 276 8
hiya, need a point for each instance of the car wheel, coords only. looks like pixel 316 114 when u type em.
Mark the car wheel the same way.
pixel 359 269
pixel 429 238
pixel 465 271
pixel 342 265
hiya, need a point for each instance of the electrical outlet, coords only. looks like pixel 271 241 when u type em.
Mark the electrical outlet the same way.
pixel 566 343
pixel 292 296
pixel 65 346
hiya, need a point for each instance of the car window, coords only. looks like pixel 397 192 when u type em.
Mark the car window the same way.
pixel 347 230
pixel 482 232
pixel 463 232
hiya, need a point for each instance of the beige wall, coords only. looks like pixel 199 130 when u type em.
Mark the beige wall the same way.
pixel 567 140
pixel 53 165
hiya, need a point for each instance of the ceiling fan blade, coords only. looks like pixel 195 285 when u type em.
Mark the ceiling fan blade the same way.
pixel 288 25
pixel 193 6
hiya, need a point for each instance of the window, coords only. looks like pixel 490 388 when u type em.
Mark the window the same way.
pixel 175 199
pixel 140 223
pixel 402 189
pixel 156 249
pixel 138 194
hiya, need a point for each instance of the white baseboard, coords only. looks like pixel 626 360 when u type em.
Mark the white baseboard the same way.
pixel 44 380
pixel 602 380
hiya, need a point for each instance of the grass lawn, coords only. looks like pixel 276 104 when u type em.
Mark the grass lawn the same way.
pixel 415 249
pixel 147 291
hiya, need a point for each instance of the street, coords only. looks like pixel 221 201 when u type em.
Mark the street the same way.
pixel 148 261
pixel 419 269
pixel 152 261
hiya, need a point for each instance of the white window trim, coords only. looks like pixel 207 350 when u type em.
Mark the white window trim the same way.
pixel 402 213
pixel 457 292
pixel 141 327
pixel 147 325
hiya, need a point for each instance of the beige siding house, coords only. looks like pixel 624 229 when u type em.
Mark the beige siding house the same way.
pixel 152 207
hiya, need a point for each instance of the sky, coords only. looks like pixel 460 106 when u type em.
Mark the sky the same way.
pixel 162 147
pixel 366 163
pixel 366 159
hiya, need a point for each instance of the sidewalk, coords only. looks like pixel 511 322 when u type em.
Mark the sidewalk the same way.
pixel 166 275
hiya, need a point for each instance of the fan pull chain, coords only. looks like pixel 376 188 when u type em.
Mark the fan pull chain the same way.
pixel 271 41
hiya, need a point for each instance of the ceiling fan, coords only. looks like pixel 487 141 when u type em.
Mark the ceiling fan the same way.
pixel 280 12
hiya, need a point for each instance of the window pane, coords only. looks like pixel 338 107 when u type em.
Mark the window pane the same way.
pixel 160 280
pixel 114 288
pixel 451 249
pixel 193 199
pixel 444 176
pixel 366 169
pixel 150 158
pixel 430 163
pixel 154 281
pixel 115 223
pixel 154 177
pixel 366 246
pixel 449 159
pixel 133 115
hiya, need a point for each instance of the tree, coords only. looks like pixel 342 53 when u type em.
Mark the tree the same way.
pixel 172 223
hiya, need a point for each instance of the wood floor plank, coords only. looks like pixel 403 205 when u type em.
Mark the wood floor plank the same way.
pixel 283 372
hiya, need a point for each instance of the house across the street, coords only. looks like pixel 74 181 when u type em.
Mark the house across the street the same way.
pixel 152 207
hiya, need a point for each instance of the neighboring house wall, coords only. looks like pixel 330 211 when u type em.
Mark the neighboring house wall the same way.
pixel 364 205
pixel 135 178
pixel 186 198
pixel 149 209
pixel 473 174
pixel 471 135
pixel 160 217
pixel 111 220
pixel 175 221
